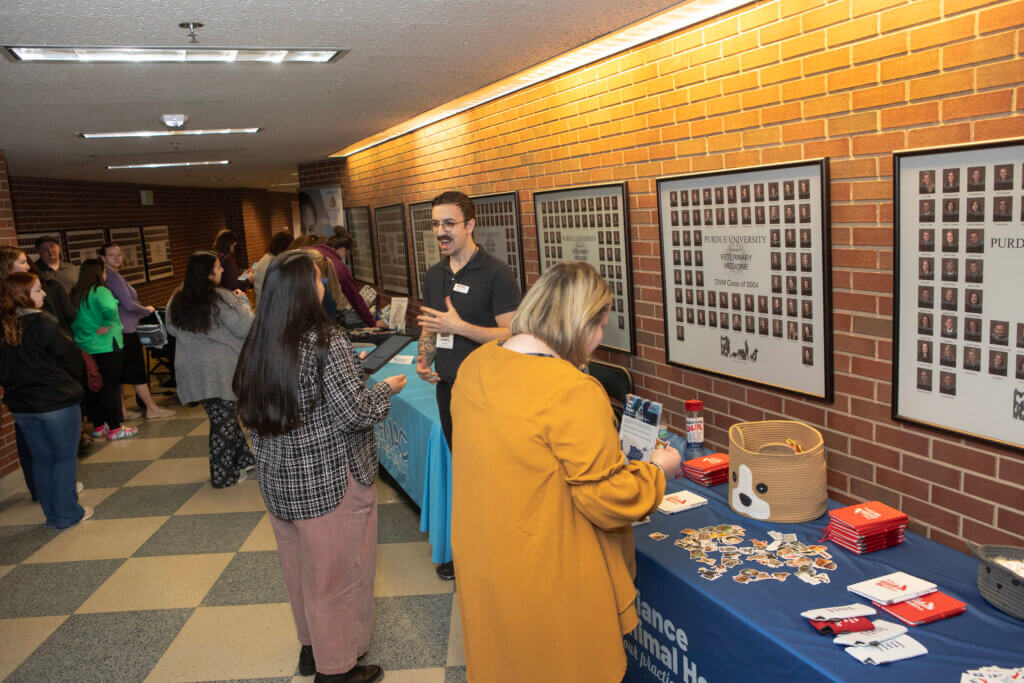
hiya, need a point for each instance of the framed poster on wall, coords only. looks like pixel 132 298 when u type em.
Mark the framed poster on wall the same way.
pixel 133 269
pixel 958 362
pixel 747 274
pixel 157 240
pixel 425 250
pixel 320 209
pixel 363 258
pixel 499 233
pixel 83 244
pixel 592 224
pixel 392 245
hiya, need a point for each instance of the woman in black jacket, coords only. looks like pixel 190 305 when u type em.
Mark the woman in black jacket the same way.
pixel 40 371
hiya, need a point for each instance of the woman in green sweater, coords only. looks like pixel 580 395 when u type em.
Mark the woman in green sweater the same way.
pixel 97 329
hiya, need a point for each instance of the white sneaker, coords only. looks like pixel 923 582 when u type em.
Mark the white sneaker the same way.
pixel 79 487
pixel 88 513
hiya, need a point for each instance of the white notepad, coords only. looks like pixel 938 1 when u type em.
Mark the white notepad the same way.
pixel 895 587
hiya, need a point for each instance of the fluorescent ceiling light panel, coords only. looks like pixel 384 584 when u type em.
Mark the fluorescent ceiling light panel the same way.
pixel 167 133
pixel 176 55
pixel 678 18
pixel 221 162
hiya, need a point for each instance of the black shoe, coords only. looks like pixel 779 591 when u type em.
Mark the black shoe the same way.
pixel 446 571
pixel 307 665
pixel 357 674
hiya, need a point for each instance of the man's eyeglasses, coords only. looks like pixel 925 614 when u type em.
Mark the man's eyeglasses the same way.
pixel 447 224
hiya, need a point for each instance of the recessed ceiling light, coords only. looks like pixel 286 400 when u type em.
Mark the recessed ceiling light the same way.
pixel 221 162
pixel 675 19
pixel 167 133
pixel 180 55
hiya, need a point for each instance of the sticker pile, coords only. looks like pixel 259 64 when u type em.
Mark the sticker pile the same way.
pixel 782 553
pixel 993 674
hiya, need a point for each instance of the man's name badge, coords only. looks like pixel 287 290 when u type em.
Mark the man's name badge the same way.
pixel 445 341
pixel 461 288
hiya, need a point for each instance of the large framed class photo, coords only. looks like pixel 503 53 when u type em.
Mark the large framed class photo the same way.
pixel 592 224
pixel 499 232
pixel 392 249
pixel 746 272
pixel 357 219
pixel 959 323
pixel 425 249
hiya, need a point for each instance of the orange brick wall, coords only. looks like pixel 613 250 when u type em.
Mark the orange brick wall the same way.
pixel 8 237
pixel 781 80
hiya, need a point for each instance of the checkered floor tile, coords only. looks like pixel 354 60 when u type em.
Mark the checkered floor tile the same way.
pixel 173 580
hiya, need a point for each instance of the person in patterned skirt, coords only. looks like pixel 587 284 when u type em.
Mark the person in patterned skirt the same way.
pixel 211 324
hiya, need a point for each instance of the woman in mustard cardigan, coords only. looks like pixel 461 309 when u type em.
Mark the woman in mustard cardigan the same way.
pixel 97 329
pixel 543 497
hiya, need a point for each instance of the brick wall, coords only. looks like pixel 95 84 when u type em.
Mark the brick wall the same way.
pixel 778 81
pixel 8 449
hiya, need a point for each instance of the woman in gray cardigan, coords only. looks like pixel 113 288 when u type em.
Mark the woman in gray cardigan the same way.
pixel 211 324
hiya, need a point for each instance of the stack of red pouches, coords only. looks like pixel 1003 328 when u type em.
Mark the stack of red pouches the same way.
pixel 924 609
pixel 866 527
pixel 848 625
pixel 709 470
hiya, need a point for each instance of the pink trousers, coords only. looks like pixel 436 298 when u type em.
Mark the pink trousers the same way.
pixel 329 564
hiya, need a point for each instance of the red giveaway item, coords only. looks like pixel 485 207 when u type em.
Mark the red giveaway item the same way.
pixel 925 609
pixel 867 518
pixel 842 626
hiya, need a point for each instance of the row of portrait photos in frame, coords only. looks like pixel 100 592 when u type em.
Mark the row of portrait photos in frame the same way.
pixel 146 250
pixel 959 326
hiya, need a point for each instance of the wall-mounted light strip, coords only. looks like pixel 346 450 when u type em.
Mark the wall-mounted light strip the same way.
pixel 178 55
pixel 657 26
pixel 167 133
pixel 221 162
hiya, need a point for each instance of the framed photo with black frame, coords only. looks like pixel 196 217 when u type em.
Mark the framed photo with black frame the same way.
pixel 392 244
pixel 592 224
pixel 425 249
pixel 958 221
pixel 364 260
pixel 746 272
pixel 133 266
pixel 499 232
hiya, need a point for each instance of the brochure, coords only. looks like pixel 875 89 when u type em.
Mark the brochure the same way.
pixel 638 433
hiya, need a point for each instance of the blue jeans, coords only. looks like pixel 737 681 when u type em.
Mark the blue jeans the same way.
pixel 53 440
pixel 25 458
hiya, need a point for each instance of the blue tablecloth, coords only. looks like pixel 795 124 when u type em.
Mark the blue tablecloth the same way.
pixel 412 448
pixel 734 632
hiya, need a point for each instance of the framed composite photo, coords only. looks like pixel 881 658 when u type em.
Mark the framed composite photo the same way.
pixel 958 361
pixel 746 268
pixel 499 232
pixel 357 219
pixel 133 267
pixel 157 240
pixel 592 224
pixel 425 250
pixel 84 244
pixel 392 248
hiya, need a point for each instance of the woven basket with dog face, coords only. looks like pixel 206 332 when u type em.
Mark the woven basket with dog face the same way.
pixel 768 480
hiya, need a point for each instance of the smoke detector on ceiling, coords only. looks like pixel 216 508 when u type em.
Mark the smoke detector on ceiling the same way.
pixel 174 121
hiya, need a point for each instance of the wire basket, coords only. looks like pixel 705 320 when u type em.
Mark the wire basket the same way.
pixel 768 480
pixel 1002 588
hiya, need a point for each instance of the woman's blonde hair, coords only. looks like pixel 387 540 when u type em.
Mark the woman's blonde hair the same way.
pixel 564 308
pixel 308 240
pixel 326 269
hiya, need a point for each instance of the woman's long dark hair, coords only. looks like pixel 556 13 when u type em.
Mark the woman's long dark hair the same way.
pixel 194 306
pixel 267 375
pixel 14 294
pixel 90 276
pixel 225 242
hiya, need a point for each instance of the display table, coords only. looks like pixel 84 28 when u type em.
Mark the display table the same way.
pixel 724 631
pixel 412 448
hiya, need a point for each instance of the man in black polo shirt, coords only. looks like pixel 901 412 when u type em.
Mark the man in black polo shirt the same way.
pixel 469 299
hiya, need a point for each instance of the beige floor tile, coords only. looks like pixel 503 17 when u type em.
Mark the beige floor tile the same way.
pixel 4 568
pixel 386 493
pixel 201 430
pixel 406 569
pixel 414 676
pixel 173 471
pixel 243 497
pixel 261 538
pixel 98 539
pixel 455 657
pixel 27 512
pixel 252 641
pixel 127 450
pixel 20 637
pixel 168 582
